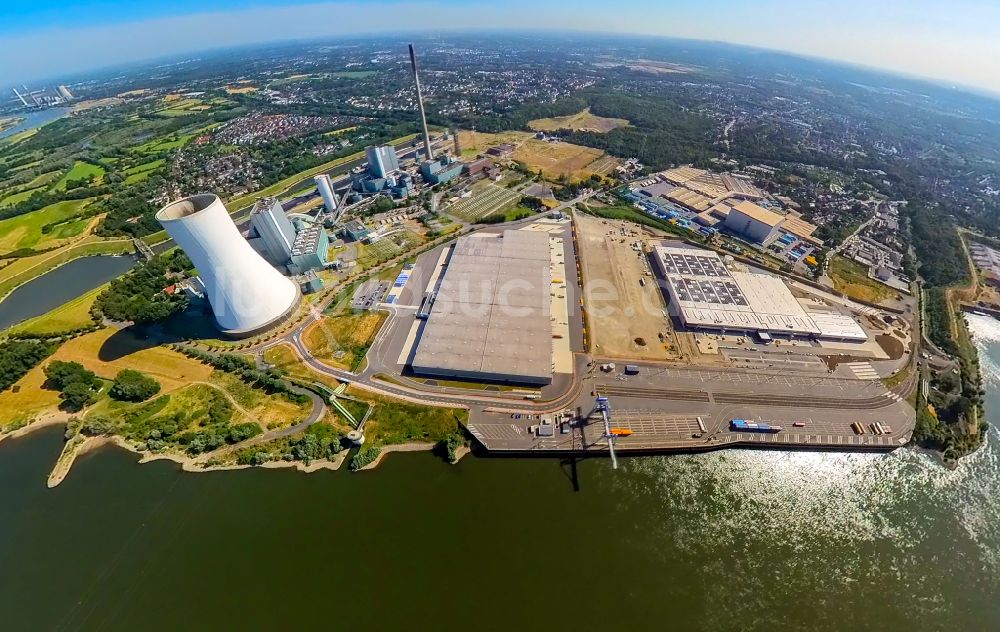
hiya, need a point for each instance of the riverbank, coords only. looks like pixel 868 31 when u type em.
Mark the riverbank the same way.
pixel 80 445
pixel 7 123
pixel 27 269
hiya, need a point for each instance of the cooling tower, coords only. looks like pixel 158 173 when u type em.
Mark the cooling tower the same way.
pixel 325 187
pixel 247 294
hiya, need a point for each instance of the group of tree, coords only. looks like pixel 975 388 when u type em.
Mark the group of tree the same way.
pixel 938 246
pixel 129 210
pixel 365 456
pixel 133 386
pixel 215 437
pixel 17 357
pixel 269 381
pixel 139 296
pixel 78 387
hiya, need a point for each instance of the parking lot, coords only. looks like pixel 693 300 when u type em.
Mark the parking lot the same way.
pixel 369 294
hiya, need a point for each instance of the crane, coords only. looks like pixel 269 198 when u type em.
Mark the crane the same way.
pixel 604 406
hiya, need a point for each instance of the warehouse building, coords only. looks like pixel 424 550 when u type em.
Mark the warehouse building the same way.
pixel 703 293
pixel 490 319
pixel 753 222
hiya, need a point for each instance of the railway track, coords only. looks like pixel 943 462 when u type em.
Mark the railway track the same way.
pixel 789 401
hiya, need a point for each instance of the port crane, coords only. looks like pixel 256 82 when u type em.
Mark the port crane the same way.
pixel 604 406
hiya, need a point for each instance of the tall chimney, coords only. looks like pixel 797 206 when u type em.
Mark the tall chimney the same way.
pixel 420 104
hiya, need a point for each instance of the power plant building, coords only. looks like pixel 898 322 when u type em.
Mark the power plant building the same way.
pixel 309 252
pixel 382 160
pixel 438 171
pixel 246 293
pixel 490 320
pixel 271 232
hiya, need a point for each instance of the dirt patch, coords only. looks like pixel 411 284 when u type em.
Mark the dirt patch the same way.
pixel 891 345
pixel 622 312
pixel 580 122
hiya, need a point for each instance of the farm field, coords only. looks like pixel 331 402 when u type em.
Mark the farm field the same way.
pixel 562 160
pixel 17 198
pixel 44 179
pixel 25 231
pixel 580 122
pixel 556 160
pixel 484 201
pixel 79 171
pixel 139 173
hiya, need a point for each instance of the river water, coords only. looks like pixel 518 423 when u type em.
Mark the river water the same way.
pixel 36 119
pixel 52 289
pixel 732 540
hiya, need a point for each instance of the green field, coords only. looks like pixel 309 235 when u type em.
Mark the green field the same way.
pixel 354 74
pixel 25 231
pixel 80 170
pixel 139 173
pixel 166 143
pixel 44 179
pixel 17 198
pixel 25 167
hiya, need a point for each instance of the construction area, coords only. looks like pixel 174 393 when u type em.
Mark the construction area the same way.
pixel 490 318
pixel 626 314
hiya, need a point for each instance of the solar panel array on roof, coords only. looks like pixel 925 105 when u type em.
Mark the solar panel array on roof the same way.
pixel 704 293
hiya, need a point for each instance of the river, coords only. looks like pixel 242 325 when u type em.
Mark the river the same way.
pixel 732 540
pixel 35 119
pixel 58 286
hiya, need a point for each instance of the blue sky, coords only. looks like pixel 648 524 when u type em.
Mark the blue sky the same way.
pixel 956 41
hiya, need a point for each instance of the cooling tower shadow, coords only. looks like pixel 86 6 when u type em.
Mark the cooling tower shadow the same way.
pixel 133 339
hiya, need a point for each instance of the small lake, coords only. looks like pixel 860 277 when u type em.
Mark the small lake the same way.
pixel 63 284
pixel 35 119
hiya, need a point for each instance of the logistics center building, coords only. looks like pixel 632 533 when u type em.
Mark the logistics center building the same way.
pixel 705 294
pixel 490 320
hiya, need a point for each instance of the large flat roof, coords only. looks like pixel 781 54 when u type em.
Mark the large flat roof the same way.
pixel 706 294
pixel 491 314
pixel 759 213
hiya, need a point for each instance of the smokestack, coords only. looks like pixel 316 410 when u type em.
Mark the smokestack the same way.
pixel 420 104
